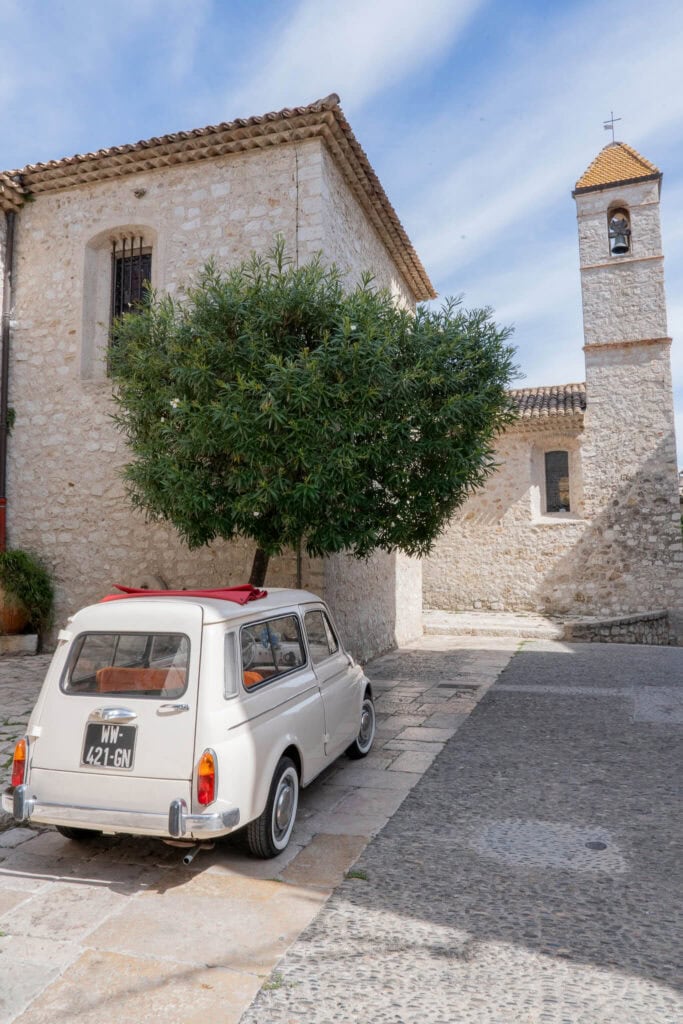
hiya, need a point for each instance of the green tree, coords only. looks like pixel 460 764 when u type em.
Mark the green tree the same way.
pixel 271 404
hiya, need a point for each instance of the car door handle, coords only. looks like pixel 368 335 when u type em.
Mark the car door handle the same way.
pixel 117 715
pixel 174 707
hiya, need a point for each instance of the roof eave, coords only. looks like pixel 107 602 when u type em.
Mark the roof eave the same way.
pixel 323 119
pixel 617 184
pixel 550 403
pixel 12 195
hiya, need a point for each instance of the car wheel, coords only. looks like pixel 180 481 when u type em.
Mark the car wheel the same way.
pixel 269 834
pixel 366 734
pixel 79 835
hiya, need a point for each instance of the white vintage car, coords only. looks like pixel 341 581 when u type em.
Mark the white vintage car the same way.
pixel 187 716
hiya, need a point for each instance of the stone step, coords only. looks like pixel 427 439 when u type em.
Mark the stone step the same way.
pixel 473 623
pixel 19 643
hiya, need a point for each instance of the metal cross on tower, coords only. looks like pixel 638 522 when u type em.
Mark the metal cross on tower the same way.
pixel 609 124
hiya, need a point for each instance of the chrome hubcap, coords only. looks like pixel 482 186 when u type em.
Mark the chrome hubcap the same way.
pixel 367 723
pixel 284 806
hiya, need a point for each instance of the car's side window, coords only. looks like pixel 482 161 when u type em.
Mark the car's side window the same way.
pixel 331 637
pixel 270 649
pixel 321 639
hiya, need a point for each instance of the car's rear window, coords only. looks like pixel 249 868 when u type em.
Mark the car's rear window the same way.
pixel 129 665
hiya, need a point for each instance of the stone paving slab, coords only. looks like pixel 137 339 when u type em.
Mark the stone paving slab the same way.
pixel 426 734
pixel 103 986
pixel 426 746
pixel 119 930
pixel 412 761
pixel 325 860
pixel 221 923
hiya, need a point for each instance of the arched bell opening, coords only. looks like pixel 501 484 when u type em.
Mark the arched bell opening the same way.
pixel 619 231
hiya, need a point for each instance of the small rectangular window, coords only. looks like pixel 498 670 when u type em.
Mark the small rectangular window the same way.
pixel 557 481
pixel 270 649
pixel 131 271
pixel 129 664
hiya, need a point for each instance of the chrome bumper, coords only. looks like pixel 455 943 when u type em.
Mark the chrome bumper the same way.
pixel 177 823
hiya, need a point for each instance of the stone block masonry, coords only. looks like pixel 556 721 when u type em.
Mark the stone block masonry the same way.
pixel 653 629
pixel 501 552
pixel 66 497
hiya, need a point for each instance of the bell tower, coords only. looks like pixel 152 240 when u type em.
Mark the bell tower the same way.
pixel 629 465
pixel 620 247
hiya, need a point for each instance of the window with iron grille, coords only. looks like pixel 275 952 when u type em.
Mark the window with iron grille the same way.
pixel 131 270
pixel 557 481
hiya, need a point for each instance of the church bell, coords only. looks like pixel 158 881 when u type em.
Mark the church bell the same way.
pixel 619 233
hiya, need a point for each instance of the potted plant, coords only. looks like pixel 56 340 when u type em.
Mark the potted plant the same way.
pixel 26 594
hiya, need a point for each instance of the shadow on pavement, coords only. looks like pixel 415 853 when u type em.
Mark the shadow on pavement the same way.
pixel 535 869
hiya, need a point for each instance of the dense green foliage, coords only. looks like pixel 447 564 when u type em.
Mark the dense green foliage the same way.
pixel 273 405
pixel 23 577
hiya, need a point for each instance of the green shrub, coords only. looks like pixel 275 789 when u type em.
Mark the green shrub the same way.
pixel 23 577
pixel 272 404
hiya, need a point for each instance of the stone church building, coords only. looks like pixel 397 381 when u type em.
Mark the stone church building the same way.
pixel 581 517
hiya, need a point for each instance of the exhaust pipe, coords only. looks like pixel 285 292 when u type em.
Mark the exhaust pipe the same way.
pixel 191 854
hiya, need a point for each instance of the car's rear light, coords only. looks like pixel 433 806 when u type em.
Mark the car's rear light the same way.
pixel 206 778
pixel 19 763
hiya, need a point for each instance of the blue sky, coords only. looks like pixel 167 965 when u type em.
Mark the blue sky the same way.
pixel 478 115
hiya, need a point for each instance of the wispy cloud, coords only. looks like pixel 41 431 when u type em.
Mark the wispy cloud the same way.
pixel 355 48
pixel 79 69
pixel 487 199
pixel 543 118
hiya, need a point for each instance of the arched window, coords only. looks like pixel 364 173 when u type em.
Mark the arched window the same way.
pixel 619 231
pixel 118 263
pixel 557 482
pixel 131 272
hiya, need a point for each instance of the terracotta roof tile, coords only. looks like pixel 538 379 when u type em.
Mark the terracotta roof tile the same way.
pixel 616 164
pixel 549 402
pixel 40 172
pixel 323 119
pixel 11 194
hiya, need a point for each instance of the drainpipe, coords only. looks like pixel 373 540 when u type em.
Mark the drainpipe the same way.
pixel 10 216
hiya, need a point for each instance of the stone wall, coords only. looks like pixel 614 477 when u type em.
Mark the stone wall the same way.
pixel 632 558
pixel 653 628
pixel 376 602
pixel 619 551
pixel 501 551
pixel 350 241
pixel 66 499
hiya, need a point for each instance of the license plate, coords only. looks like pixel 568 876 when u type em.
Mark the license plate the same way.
pixel 109 746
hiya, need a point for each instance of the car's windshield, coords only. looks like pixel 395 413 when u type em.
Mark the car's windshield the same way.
pixel 129 664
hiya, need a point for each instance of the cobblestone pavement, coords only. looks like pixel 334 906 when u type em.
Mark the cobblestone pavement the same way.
pixel 120 930
pixel 20 681
pixel 532 876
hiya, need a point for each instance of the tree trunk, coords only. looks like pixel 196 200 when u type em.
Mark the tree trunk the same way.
pixel 259 568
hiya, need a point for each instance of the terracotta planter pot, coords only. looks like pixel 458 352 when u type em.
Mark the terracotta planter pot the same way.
pixel 13 615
